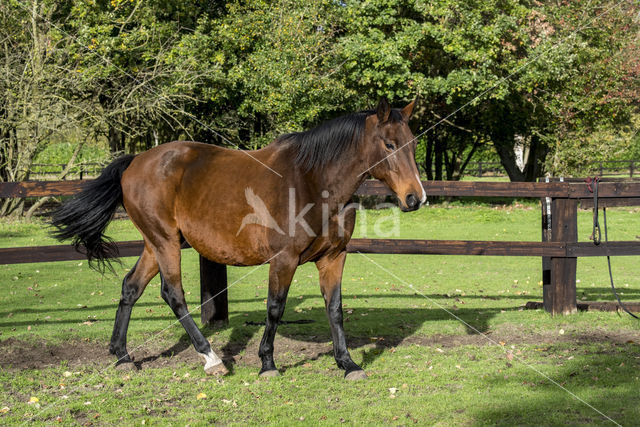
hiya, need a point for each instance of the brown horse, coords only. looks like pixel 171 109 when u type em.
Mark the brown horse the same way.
pixel 283 204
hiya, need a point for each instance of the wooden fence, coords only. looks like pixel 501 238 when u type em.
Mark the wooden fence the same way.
pixel 559 246
pixel 601 168
pixel 478 169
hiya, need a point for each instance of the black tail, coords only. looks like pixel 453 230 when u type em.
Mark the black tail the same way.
pixel 84 218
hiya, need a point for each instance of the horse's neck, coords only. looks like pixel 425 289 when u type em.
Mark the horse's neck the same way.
pixel 340 181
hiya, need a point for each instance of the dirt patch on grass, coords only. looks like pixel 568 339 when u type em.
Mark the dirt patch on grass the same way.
pixel 18 354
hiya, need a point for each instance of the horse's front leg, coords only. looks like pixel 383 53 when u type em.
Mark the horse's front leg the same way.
pixel 281 272
pixel 330 268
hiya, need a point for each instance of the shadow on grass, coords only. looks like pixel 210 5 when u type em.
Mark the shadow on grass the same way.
pixel 605 294
pixel 441 298
pixel 389 326
pixel 376 330
pixel 592 386
pixel 369 327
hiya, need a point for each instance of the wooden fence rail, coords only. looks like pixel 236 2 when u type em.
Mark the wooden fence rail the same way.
pixel 475 168
pixel 604 167
pixel 559 247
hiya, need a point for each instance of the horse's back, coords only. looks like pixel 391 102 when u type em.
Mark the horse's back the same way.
pixel 199 191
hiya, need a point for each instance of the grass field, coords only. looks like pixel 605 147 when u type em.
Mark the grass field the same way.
pixel 443 339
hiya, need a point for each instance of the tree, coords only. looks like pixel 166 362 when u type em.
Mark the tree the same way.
pixel 269 69
pixel 36 86
pixel 507 71
pixel 449 52
pixel 124 51
pixel 594 115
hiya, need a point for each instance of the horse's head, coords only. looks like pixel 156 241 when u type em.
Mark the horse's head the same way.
pixel 390 151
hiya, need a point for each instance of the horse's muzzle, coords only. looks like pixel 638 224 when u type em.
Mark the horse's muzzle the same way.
pixel 412 203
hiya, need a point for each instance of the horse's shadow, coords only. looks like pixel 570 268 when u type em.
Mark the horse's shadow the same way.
pixel 373 330
pixel 183 344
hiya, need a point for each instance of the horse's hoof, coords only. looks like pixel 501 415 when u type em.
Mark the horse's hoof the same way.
pixel 269 374
pixel 218 370
pixel 355 375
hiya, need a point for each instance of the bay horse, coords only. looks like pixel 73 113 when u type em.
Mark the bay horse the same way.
pixel 283 204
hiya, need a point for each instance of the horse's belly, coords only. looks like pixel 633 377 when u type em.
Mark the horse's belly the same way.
pixel 225 249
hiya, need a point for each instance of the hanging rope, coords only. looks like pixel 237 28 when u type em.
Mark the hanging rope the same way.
pixel 597 237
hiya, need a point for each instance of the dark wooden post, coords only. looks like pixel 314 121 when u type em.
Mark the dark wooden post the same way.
pixel 213 293
pixel 561 297
pixel 546 261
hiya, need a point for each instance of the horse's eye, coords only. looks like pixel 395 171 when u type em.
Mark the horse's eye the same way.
pixel 389 146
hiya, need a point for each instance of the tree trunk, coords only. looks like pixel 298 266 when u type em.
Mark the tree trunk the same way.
pixel 508 159
pixel 533 164
pixel 428 160
pixel 116 140
pixel 464 165
pixel 439 158
pixel 537 153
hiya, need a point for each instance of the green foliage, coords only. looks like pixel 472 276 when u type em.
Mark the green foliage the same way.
pixel 270 71
pixel 61 152
pixel 553 77
pixel 505 70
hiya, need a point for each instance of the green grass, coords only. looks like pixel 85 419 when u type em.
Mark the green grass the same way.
pixel 399 318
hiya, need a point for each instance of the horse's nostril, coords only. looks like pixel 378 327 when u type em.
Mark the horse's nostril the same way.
pixel 411 200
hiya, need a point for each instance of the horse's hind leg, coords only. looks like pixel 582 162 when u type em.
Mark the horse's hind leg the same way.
pixel 133 285
pixel 330 269
pixel 281 271
pixel 173 294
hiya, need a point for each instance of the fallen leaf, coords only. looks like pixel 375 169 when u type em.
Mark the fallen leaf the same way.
pixel 4 410
pixel 33 399
pixel 66 374
pixel 201 396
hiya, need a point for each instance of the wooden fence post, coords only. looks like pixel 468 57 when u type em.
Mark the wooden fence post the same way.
pixel 561 296
pixel 546 261
pixel 213 293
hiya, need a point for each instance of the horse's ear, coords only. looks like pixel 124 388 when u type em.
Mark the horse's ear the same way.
pixel 383 110
pixel 408 110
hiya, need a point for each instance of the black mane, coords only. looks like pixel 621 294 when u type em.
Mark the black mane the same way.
pixel 327 142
